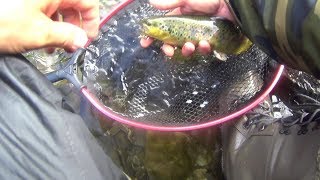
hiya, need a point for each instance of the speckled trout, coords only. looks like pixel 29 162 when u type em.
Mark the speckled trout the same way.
pixel 221 33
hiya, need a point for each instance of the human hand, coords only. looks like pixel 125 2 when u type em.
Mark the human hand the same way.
pixel 195 7
pixel 33 24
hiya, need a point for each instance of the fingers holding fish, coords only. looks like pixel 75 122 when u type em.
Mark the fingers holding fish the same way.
pixel 194 8
pixel 188 49
pixel 146 41
pixel 166 4
pixel 168 50
pixel 204 47
pixel 191 33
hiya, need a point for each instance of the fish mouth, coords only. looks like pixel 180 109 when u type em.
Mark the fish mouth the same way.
pixel 146 25
pixel 145 29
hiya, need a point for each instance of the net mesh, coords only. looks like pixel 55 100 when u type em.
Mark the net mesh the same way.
pixel 145 85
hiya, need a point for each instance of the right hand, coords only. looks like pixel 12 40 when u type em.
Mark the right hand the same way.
pixel 193 7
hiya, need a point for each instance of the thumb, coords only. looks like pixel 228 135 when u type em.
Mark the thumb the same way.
pixel 166 4
pixel 64 35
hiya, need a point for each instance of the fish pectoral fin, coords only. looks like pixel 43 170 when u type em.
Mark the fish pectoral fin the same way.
pixel 221 56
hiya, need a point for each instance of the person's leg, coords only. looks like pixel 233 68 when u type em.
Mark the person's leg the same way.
pixel 268 148
pixel 39 139
pixel 252 154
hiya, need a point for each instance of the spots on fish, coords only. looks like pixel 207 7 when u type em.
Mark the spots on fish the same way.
pixel 177 30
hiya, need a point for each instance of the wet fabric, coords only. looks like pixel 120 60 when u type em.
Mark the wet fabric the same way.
pixel 285 28
pixel 40 139
pixel 250 154
pixel 279 141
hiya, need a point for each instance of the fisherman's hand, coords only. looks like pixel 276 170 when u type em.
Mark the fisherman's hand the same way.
pixel 33 24
pixel 194 7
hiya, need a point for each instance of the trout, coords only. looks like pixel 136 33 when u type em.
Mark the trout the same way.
pixel 222 34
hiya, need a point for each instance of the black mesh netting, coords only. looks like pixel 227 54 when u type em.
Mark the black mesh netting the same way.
pixel 144 85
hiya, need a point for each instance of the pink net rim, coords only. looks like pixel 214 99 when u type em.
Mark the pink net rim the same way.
pixel 117 117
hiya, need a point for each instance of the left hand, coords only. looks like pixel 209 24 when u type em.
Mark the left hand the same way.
pixel 33 24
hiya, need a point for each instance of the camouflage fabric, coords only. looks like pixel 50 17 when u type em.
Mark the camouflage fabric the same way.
pixel 286 29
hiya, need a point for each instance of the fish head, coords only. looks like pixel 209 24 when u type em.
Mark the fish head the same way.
pixel 149 27
pixel 153 28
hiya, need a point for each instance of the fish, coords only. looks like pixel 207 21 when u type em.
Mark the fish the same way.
pixel 223 35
